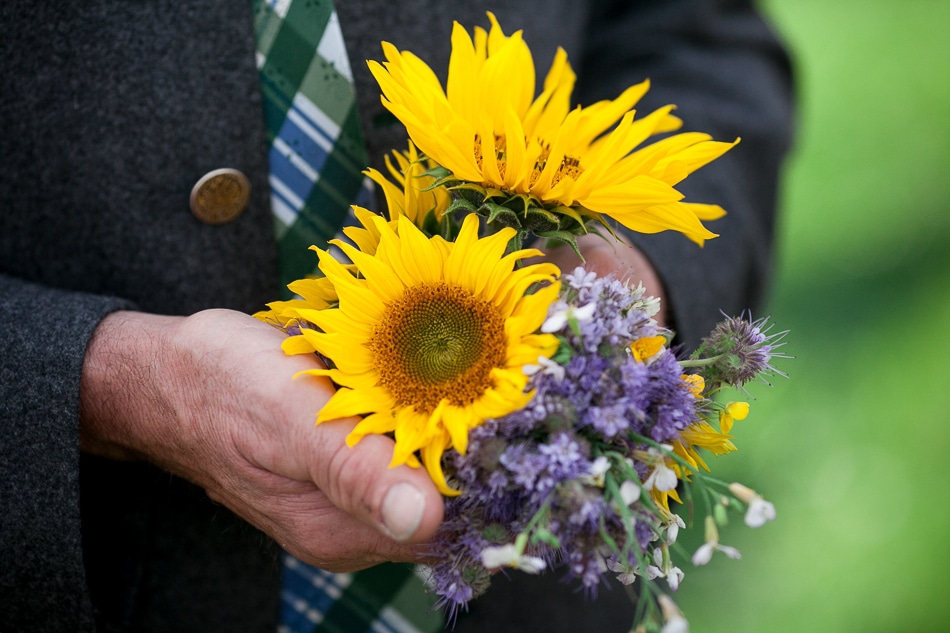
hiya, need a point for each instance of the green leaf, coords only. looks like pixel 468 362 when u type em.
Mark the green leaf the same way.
pixel 564 353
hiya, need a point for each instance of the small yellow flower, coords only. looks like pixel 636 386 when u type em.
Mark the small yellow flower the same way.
pixel 732 412
pixel 701 435
pixel 488 128
pixel 647 347
pixel 430 338
pixel 662 497
pixel 695 383
pixel 695 436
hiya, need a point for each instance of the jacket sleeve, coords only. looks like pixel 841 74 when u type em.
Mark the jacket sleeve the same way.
pixel 111 112
pixel 729 76
pixel 42 346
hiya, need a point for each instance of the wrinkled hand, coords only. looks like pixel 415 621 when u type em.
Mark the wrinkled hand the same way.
pixel 605 256
pixel 210 398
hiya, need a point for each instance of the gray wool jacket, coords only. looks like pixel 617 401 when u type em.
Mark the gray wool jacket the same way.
pixel 110 110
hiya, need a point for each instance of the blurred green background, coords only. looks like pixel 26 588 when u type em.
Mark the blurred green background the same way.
pixel 852 448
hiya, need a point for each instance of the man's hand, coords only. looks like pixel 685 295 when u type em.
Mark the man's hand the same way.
pixel 210 398
pixel 605 256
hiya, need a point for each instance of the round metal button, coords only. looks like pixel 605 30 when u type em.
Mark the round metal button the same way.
pixel 220 196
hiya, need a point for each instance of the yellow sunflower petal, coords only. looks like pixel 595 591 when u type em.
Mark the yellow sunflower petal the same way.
pixel 705 211
pixel 346 403
pixel 410 432
pixel 338 346
pixel 380 279
pixel 457 421
pixel 422 260
pixel 293 345
pixel 344 379
pixel 432 458
pixel 374 424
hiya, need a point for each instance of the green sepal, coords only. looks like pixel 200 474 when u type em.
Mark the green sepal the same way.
pixel 439 174
pixel 495 533
pixel 539 220
pixel 571 213
pixel 461 204
pixel 500 214
pixel 720 515
pixel 544 535
pixel 563 237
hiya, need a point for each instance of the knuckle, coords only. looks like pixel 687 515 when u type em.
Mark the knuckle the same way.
pixel 349 483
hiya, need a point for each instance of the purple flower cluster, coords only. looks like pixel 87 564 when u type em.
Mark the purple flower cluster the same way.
pixel 743 351
pixel 551 471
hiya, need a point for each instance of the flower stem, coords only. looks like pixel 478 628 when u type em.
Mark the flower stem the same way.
pixel 700 362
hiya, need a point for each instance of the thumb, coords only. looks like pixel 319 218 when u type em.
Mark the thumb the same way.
pixel 401 502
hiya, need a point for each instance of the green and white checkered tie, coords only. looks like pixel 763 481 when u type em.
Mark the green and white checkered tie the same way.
pixel 316 158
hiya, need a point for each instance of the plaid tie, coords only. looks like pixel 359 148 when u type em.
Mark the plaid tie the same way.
pixel 316 159
pixel 317 152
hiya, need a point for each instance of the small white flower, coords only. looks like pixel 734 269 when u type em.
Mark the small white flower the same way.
pixel 546 366
pixel 625 574
pixel 557 321
pixel 531 564
pixel 585 313
pixel 759 513
pixel 673 529
pixel 674 577
pixel 626 578
pixel 675 622
pixel 595 474
pixel 494 557
pixel 663 478
pixel 665 568
pixel 499 556
pixel 651 305
pixel 656 571
pixel 629 493
pixel 703 555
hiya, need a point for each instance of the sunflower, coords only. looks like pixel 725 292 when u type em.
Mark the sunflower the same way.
pixel 413 193
pixel 569 165
pixel 429 337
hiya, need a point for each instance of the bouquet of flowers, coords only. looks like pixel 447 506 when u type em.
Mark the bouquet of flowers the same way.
pixel 546 405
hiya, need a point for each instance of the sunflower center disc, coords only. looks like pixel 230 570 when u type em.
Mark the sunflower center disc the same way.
pixel 438 341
